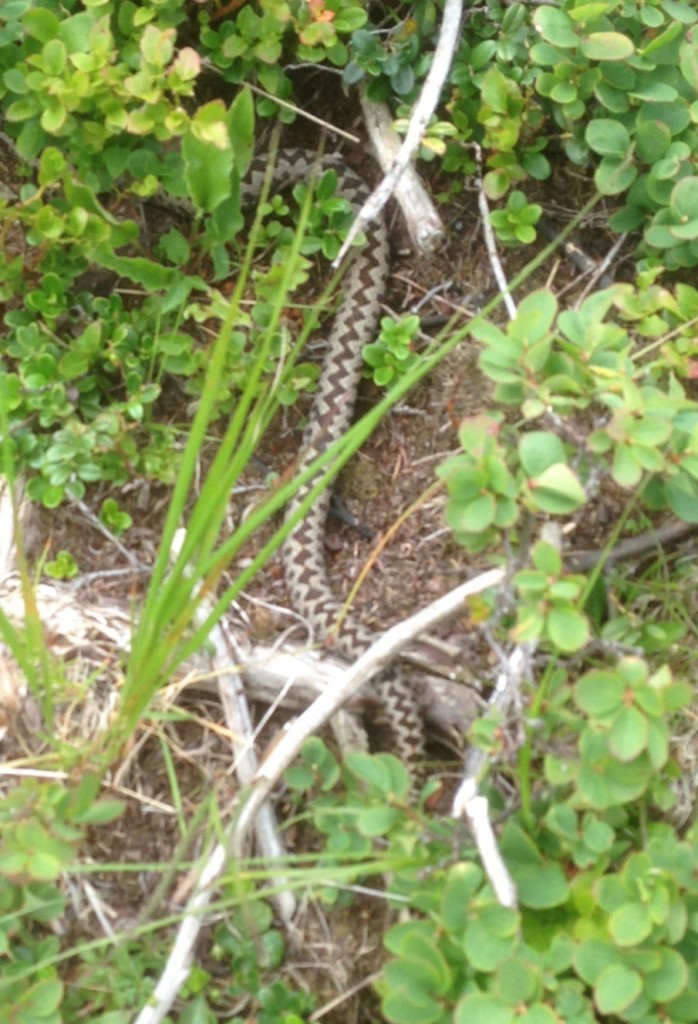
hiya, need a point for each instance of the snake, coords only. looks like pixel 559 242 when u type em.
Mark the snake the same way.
pixel 354 325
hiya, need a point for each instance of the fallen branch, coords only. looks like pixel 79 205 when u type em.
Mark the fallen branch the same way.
pixel 419 119
pixel 421 216
pixel 385 648
pixel 275 763
pixel 491 242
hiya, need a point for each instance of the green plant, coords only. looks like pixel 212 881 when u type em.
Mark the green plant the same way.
pixel 250 46
pixel 607 898
pixel 251 949
pixel 623 89
pixel 549 602
pixel 515 224
pixel 392 64
pixel 62 567
pixel 391 355
pixel 104 97
pixel 115 518
pixel 552 368
pixel 41 825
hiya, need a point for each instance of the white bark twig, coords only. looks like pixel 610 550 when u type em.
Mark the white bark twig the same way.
pixel 178 964
pixel 446 704
pixel 467 802
pixel 239 721
pixel 385 647
pixel 423 109
pixel 276 762
pixel 604 264
pixel 491 242
pixel 475 809
pixel 421 216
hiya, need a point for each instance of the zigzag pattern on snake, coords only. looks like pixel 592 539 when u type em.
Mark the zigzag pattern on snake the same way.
pixel 354 325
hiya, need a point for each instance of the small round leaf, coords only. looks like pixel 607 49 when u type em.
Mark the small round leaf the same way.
pixel 630 924
pixel 480 1008
pixel 607 46
pixel 629 734
pixel 557 490
pixel 567 629
pixel 616 988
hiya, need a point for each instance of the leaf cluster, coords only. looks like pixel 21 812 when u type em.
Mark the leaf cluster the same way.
pixel 607 918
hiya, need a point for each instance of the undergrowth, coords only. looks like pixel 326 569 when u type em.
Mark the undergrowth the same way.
pixel 114 107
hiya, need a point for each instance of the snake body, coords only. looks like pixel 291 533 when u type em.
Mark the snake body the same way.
pixel 354 325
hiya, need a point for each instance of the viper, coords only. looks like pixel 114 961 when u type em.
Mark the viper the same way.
pixel 354 325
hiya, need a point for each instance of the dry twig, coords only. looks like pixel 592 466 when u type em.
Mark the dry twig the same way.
pixel 423 109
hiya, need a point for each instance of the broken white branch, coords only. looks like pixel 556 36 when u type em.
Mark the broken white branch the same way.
pixel 474 808
pixel 419 119
pixel 467 802
pixel 491 242
pixel 421 216
pixel 386 647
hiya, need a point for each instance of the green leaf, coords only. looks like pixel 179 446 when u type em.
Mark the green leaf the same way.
pixel 55 56
pixel 534 317
pixel 241 124
pixel 687 231
pixel 606 46
pixel 53 118
pixel 490 937
pixel 384 773
pixel 157 45
pixel 175 247
pixel 101 812
pixel 607 137
pixel 541 887
pixel 538 450
pixel 547 559
pixel 495 88
pixel 479 1008
pixel 41 24
pixel 44 866
pixel 151 275
pixel 669 980
pixel 615 174
pixel 538 1013
pixel 684 198
pixel 52 166
pixel 592 957
pixel 557 490
pixel 423 953
pixel 630 924
pixel 682 497
pixel 567 629
pixel 477 515
pixel 626 469
pixel 599 693
pixel 377 821
pixel 462 882
pixel 42 1000
pixel 484 948
pixel 208 162
pixel 688 61
pixel 530 623
pixel 556 27
pixel 629 734
pixel 409 1004
pixel 516 981
pixel 649 430
pixel 616 988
